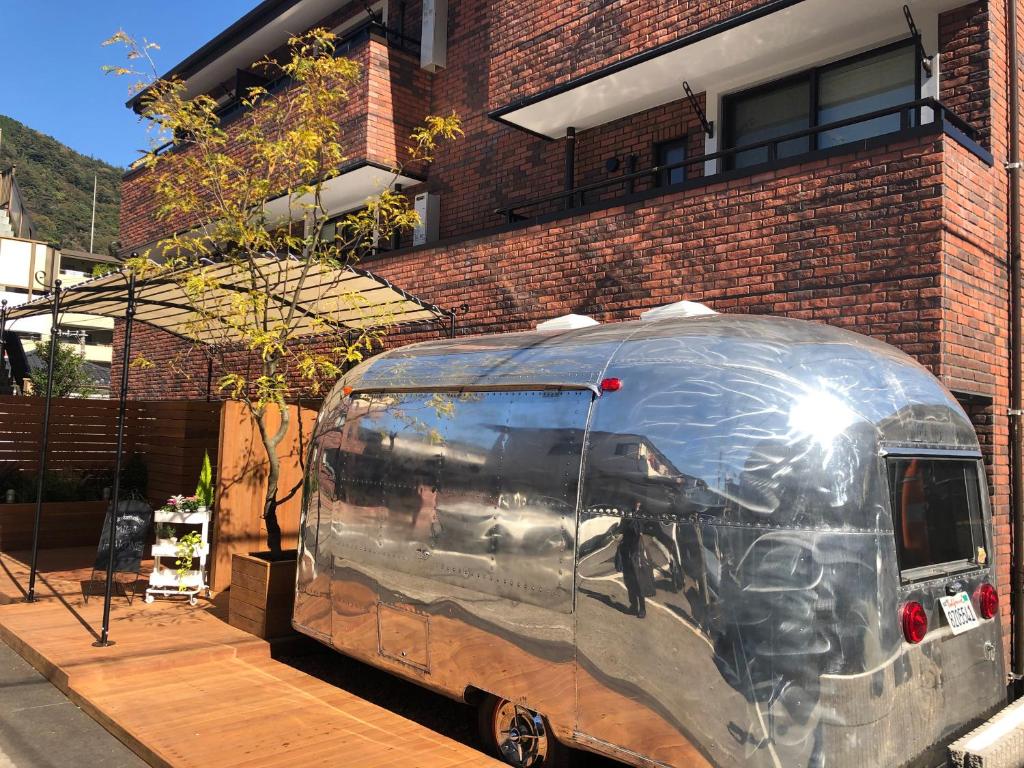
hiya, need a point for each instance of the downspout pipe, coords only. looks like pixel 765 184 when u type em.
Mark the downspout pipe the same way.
pixel 1016 396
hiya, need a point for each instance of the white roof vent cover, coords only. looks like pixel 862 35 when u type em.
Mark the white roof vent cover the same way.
pixel 678 309
pixel 567 323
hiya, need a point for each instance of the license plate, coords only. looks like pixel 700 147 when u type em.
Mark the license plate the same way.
pixel 959 612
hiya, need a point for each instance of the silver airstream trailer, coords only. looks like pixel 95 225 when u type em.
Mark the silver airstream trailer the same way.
pixel 717 540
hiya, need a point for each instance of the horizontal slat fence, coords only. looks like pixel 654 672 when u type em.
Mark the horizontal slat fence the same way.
pixel 170 436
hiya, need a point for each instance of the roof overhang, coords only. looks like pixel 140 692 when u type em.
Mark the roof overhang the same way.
pixel 768 42
pixel 263 29
pixel 345 192
pixel 348 191
pixel 328 299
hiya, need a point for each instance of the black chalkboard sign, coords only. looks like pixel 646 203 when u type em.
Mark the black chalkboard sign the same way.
pixel 134 519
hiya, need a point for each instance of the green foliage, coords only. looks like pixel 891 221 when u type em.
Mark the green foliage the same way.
pixel 204 490
pixel 69 372
pixel 57 486
pixel 56 183
pixel 188 545
pixel 295 144
pixel 292 252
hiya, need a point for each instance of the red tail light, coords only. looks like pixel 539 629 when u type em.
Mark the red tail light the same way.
pixel 988 601
pixel 914 621
pixel 611 385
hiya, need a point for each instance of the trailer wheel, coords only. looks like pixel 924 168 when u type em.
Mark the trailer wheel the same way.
pixel 519 736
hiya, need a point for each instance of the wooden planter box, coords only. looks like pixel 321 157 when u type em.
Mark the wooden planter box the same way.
pixel 263 594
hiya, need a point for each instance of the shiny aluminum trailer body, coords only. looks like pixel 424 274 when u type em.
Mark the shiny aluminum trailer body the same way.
pixel 697 569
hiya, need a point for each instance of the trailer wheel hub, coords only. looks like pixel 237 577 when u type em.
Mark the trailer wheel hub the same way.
pixel 520 734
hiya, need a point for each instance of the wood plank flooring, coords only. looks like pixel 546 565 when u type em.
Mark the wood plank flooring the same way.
pixel 182 688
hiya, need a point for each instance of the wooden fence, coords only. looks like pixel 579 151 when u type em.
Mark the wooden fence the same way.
pixel 169 436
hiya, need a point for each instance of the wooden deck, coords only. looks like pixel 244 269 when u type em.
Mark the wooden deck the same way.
pixel 181 687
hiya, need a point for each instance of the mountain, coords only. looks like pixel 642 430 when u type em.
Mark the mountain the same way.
pixel 56 184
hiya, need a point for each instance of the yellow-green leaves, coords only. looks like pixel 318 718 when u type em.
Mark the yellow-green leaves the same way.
pixel 250 193
pixel 436 128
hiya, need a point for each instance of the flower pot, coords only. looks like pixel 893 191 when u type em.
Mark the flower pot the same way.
pixel 263 593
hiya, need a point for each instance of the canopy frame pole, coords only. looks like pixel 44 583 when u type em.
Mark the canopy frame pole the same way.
pixel 129 314
pixel 3 334
pixel 44 441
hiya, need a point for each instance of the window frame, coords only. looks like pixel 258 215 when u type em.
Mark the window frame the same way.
pixel 812 75
pixel 977 505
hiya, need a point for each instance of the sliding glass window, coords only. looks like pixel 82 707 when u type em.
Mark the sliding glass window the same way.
pixel 865 85
pixel 883 78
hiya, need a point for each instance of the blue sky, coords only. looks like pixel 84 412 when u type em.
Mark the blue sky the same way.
pixel 52 57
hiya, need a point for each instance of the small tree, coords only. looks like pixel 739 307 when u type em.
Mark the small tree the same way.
pixel 70 376
pixel 284 148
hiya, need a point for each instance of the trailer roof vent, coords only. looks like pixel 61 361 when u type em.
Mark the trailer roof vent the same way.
pixel 567 323
pixel 679 309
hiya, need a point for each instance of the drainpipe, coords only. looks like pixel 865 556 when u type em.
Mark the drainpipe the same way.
pixel 570 167
pixel 1016 397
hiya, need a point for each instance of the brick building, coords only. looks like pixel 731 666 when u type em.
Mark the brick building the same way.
pixel 896 226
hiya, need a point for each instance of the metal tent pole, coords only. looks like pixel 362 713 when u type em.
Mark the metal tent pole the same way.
pixel 3 332
pixel 129 314
pixel 44 441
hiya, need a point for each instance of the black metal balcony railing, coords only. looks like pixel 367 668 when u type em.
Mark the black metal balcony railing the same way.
pixel 909 117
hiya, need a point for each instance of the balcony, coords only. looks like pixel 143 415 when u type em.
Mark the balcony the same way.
pixel 615 71
pixel 863 236
pixel 922 117
pixel 376 121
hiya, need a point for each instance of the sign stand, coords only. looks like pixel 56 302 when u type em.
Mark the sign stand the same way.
pixel 131 524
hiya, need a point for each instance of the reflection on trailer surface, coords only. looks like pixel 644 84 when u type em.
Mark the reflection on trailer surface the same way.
pixel 705 567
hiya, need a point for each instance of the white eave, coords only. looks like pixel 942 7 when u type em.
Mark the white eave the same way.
pixel 761 45
pixel 345 192
pixel 262 30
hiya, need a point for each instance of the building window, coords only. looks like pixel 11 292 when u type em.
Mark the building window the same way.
pixel 670 153
pixel 885 77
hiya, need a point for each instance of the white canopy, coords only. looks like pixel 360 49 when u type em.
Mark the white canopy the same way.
pixel 329 300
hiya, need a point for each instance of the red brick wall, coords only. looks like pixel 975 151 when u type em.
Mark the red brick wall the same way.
pixel 964 65
pixel 537 44
pixel 975 320
pixel 495 51
pixel 808 241
pixel 375 124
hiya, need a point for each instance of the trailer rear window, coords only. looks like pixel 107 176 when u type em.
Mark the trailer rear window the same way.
pixel 937 514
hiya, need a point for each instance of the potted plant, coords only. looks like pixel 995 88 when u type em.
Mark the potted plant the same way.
pixel 165 534
pixel 187 547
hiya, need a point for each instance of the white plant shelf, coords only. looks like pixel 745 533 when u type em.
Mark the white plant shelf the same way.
pixel 164 579
pixel 171 550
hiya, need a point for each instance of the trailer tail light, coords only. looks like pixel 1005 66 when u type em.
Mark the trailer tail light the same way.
pixel 611 385
pixel 914 621
pixel 988 601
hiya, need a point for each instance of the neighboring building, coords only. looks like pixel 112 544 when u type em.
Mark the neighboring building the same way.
pixel 28 267
pixel 894 226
